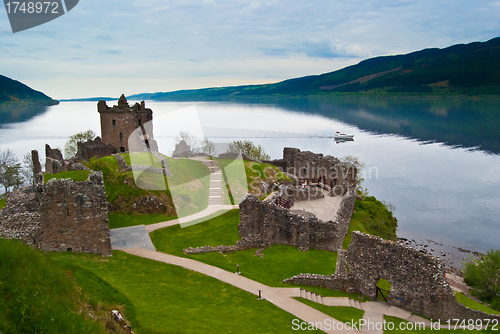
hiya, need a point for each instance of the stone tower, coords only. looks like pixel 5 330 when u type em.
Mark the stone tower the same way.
pixel 121 122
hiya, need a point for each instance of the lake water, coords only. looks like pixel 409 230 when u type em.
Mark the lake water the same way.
pixel 437 161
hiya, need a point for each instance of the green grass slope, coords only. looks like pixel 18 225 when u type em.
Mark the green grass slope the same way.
pixel 460 70
pixel 39 296
pixel 165 298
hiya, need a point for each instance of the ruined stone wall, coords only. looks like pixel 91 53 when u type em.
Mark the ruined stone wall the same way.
pixel 269 224
pixel 54 162
pixel 327 169
pixel 345 213
pixel 417 279
pixel 19 219
pixel 94 148
pixel 74 216
pixel 120 121
pixel 61 215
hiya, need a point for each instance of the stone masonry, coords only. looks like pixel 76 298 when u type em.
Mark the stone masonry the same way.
pixel 60 216
pixel 54 162
pixel 19 219
pixel 268 223
pixel 74 216
pixel 417 279
pixel 314 166
pixel 93 148
pixel 121 121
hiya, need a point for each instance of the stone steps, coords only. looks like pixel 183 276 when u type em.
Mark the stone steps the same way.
pixel 215 200
pixel 214 192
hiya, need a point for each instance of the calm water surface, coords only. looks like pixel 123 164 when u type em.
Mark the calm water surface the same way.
pixel 436 160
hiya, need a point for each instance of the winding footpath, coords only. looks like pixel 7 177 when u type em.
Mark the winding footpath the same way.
pixel 135 240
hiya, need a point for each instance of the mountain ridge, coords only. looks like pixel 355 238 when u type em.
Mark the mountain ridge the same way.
pixel 20 102
pixel 461 70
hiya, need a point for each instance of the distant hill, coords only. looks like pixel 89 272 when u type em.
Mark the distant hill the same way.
pixel 459 70
pixel 19 102
pixel 89 99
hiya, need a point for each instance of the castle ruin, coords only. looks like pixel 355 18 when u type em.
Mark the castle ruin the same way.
pixel 315 167
pixel 123 124
pixel 62 215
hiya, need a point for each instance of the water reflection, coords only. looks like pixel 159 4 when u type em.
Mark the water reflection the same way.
pixel 455 122
pixel 20 114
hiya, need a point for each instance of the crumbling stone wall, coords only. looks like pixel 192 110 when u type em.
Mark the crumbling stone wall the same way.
pixel 54 162
pixel 94 148
pixel 341 176
pixel 19 219
pixel 417 279
pixel 266 223
pixel 61 215
pixel 122 163
pixel 119 122
pixel 74 216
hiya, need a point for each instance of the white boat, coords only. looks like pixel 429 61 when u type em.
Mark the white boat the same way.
pixel 342 136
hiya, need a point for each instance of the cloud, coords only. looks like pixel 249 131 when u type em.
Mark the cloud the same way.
pixel 218 39
pixel 326 49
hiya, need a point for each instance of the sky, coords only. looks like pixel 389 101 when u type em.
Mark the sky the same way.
pixel 110 47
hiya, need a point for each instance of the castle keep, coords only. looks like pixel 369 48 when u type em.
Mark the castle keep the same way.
pixel 122 124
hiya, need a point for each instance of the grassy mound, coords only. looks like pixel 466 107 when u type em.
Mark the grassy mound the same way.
pixel 122 192
pixel 372 217
pixel 38 296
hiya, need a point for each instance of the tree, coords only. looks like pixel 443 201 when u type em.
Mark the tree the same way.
pixel 249 148
pixel 207 147
pixel 28 170
pixel 483 276
pixel 360 167
pixel 193 142
pixel 71 146
pixel 10 170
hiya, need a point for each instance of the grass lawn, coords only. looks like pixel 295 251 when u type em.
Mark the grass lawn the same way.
pixel 141 158
pixel 171 299
pixel 410 328
pixel 38 296
pixel 279 262
pixel 3 202
pixel 75 175
pixel 463 299
pixel 345 314
pixel 189 185
pixel 117 220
